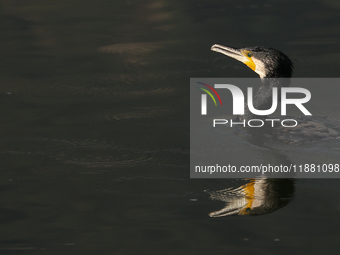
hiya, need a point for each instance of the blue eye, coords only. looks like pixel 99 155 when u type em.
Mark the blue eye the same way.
pixel 249 54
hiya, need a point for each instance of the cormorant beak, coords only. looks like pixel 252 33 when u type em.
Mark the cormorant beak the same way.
pixel 238 54
pixel 225 212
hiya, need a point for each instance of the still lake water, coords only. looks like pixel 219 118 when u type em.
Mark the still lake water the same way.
pixel 94 143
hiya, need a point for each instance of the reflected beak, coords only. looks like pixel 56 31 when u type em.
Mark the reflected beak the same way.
pixel 235 54
pixel 227 211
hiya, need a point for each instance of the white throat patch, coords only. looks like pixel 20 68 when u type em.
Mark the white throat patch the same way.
pixel 259 68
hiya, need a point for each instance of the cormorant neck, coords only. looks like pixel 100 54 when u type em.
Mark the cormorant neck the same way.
pixel 263 98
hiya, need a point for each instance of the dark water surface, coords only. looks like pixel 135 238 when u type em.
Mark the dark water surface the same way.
pixel 94 144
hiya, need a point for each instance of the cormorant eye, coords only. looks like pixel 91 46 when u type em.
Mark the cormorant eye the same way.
pixel 249 54
pixel 248 209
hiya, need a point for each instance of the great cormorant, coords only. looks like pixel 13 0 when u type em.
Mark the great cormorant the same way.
pixel 261 195
pixel 266 62
pixel 270 64
pixel 275 70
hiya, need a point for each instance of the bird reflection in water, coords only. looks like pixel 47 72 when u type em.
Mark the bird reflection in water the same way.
pixel 258 196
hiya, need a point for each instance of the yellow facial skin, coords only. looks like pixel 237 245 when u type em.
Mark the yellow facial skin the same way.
pixel 249 62
pixel 249 191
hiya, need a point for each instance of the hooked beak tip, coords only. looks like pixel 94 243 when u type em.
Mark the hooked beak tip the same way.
pixel 215 47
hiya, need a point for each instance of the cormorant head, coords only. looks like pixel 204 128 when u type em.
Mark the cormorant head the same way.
pixel 266 62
